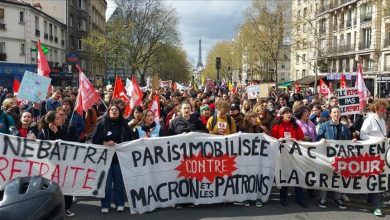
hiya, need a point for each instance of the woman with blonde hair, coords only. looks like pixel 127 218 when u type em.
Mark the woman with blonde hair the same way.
pixel 264 118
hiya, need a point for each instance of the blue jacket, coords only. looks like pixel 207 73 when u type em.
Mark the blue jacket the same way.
pixel 155 131
pixel 330 131
pixel 77 123
pixel 51 104
pixel 6 121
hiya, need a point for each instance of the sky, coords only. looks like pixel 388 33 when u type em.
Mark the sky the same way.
pixel 208 20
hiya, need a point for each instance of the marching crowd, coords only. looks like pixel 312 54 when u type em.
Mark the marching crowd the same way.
pixel 283 114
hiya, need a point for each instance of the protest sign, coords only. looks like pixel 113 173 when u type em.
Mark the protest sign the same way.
pixel 342 166
pixel 253 91
pixel 33 87
pixel 79 169
pixel 197 168
pixel 348 101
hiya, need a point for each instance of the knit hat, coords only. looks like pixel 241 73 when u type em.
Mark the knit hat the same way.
pixel 204 107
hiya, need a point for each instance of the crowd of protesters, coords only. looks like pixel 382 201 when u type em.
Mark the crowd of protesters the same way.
pixel 283 114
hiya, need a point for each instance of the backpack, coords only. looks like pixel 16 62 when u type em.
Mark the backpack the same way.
pixel 214 121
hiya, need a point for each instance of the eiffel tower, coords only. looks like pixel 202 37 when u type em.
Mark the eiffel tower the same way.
pixel 200 64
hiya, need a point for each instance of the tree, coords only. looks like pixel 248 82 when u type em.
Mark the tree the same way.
pixel 153 27
pixel 266 29
pixel 223 49
pixel 111 48
pixel 176 67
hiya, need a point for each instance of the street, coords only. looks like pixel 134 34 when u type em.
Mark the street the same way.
pixel 358 209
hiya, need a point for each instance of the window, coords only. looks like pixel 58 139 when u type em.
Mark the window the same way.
pixel 2 47
pixel 2 15
pixel 297 75
pixel 297 59
pixel 81 5
pixel 71 20
pixel 22 48
pixel 50 29
pixel 80 45
pixel 45 27
pixel 36 23
pixel 303 73
pixel 283 66
pixel 366 37
pixel 82 24
pixel 21 17
pixel 387 62
pixel 55 31
pixel 304 58
pixel 55 56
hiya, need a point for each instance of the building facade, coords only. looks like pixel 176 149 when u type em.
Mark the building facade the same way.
pixel 21 25
pixel 81 18
pixel 339 34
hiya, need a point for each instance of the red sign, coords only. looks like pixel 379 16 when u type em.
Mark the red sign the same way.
pixel 198 167
pixel 357 166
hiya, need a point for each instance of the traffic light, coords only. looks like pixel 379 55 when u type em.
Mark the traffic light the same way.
pixel 218 63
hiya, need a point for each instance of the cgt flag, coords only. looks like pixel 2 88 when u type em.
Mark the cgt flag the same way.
pixel 43 65
pixel 87 95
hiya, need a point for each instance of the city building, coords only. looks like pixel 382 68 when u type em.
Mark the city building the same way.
pixel 81 18
pixel 21 25
pixel 336 35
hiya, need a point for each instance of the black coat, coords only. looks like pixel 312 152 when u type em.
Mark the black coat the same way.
pixel 180 125
pixel 48 134
pixel 113 130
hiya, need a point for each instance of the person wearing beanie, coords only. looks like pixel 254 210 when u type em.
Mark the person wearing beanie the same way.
pixel 205 113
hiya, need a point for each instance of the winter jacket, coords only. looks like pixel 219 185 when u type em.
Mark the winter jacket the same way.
pixel 180 125
pixel 6 122
pixel 330 131
pixel 278 130
pixel 154 130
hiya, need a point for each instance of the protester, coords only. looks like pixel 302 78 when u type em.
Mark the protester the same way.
pixel 51 129
pixel 221 123
pixel 11 108
pixel 74 120
pixel 53 102
pixel 148 127
pixel 136 118
pixel 112 130
pixel 287 127
pixel 374 126
pixel 234 112
pixel 25 127
pixel 308 128
pixel 185 122
pixel 333 130
pixel 205 114
pixel 7 123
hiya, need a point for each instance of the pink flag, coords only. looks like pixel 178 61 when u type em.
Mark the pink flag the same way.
pixel 43 65
pixel 155 107
pixel 363 91
pixel 136 95
pixel 87 95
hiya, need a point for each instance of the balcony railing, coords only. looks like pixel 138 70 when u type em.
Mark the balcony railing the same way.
pixel 387 68
pixel 46 36
pixel 3 57
pixel 2 26
pixel 345 48
pixel 324 8
pixel 55 39
pixel 365 17
pixel 37 33
pixel 367 68
pixel 364 45
pixel 51 37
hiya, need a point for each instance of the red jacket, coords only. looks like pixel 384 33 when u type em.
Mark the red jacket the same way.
pixel 278 130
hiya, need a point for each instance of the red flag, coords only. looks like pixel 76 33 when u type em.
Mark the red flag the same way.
pixel 120 92
pixel 155 107
pixel 16 86
pixel 343 83
pixel 324 89
pixel 330 89
pixel 363 91
pixel 297 87
pixel 136 94
pixel 87 95
pixel 43 65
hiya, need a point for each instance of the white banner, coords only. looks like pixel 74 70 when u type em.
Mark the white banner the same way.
pixel 197 168
pixel 79 169
pixel 342 166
